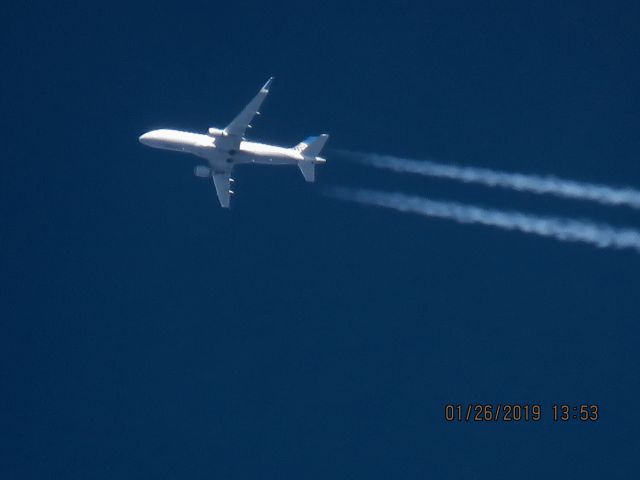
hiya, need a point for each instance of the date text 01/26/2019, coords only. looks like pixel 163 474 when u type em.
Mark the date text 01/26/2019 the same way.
pixel 534 412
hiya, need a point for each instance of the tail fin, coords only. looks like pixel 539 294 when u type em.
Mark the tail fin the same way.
pixel 310 149
pixel 312 146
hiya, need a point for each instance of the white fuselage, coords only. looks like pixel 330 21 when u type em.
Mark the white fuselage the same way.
pixel 210 148
pixel 223 149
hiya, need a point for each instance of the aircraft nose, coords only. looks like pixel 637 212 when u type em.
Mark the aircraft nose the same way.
pixel 144 137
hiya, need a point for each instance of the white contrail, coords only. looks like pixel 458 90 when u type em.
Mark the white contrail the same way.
pixel 494 178
pixel 564 229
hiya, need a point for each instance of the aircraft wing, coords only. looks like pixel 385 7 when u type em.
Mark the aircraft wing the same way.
pixel 233 135
pixel 239 125
pixel 222 181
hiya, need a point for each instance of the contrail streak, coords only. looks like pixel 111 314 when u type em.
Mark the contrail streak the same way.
pixel 494 178
pixel 564 229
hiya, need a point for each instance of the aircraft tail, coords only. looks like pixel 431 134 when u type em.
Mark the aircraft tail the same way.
pixel 310 149
pixel 308 169
pixel 312 146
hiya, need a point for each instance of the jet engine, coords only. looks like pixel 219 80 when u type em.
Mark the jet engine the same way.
pixel 202 171
pixel 216 132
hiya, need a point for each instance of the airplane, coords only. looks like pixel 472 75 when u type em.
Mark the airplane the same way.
pixel 226 148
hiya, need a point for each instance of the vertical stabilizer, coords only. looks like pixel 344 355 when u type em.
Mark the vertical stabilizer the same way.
pixel 312 146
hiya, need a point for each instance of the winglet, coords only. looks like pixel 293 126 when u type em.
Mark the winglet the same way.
pixel 267 85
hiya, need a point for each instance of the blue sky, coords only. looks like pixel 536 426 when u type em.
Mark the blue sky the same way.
pixel 148 333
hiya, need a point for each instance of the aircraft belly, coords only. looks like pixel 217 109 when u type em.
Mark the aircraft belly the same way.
pixel 242 157
pixel 206 153
pixel 273 161
pixel 265 158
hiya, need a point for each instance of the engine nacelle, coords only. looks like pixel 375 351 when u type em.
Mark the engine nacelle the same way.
pixel 202 171
pixel 216 132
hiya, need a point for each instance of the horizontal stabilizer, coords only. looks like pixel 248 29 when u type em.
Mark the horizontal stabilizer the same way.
pixel 308 169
